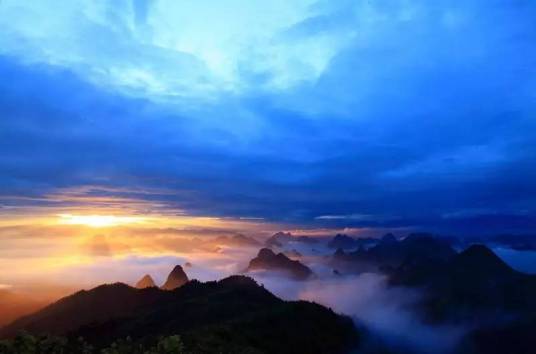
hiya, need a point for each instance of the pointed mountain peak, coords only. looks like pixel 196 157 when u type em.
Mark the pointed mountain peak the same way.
pixel 145 282
pixel 243 239
pixel 342 241
pixel 175 279
pixel 278 239
pixel 480 257
pixel 268 260
pixel 481 253
pixel 266 253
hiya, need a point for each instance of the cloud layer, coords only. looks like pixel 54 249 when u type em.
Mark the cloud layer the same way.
pixel 321 114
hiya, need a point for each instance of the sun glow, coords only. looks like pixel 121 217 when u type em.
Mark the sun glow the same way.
pixel 99 220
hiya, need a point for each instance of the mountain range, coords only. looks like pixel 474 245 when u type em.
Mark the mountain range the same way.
pixel 473 289
pixel 237 240
pixel 267 260
pixel 474 285
pixel 280 239
pixel 390 252
pixel 233 315
pixel 346 242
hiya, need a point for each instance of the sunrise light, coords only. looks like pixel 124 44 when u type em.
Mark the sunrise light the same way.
pixel 256 176
pixel 99 221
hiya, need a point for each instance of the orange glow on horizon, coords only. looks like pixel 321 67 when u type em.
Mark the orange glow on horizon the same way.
pixel 99 221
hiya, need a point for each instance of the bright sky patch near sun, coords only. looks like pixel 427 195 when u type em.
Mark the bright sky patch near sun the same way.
pixel 138 134
pixel 207 117
pixel 99 220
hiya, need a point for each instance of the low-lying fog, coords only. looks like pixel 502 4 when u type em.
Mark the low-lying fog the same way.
pixel 384 311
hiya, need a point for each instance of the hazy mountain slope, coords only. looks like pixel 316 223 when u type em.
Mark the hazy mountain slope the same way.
pixel 389 252
pixel 475 285
pixel 267 260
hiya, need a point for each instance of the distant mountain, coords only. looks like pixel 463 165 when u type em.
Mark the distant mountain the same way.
pixel 234 315
pixel 175 279
pixel 520 242
pixel 343 242
pixel 280 239
pixel 145 282
pixel 474 285
pixel 389 253
pixel 305 239
pixel 477 289
pixel 237 240
pixel 390 239
pixel 346 242
pixel 267 260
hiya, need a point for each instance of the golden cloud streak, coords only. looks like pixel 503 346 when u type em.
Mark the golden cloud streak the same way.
pixel 99 221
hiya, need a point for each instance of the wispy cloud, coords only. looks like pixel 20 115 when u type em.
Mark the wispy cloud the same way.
pixel 311 114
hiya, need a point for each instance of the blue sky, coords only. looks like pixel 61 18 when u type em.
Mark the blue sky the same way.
pixel 401 113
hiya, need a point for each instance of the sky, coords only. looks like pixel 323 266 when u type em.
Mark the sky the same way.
pixel 256 116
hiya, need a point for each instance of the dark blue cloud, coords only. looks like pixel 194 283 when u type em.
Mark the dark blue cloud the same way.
pixel 426 121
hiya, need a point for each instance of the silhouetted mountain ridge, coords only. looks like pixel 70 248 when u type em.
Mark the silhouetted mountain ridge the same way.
pixel 237 240
pixel 480 259
pixel 389 252
pixel 231 315
pixel 474 284
pixel 279 239
pixel 342 241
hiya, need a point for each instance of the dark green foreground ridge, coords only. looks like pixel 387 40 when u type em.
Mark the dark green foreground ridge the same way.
pixel 234 315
